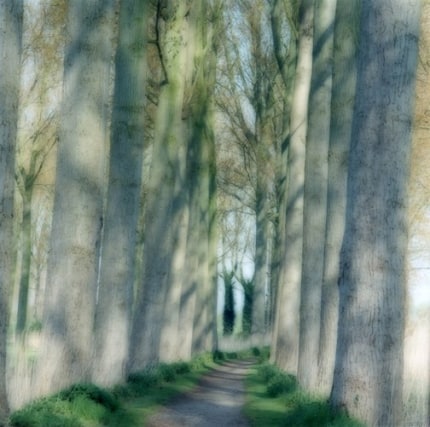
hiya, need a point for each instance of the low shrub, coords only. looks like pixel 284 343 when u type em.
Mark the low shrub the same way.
pixel 181 367
pixel 91 392
pixel 256 351
pixel 68 408
pixel 218 356
pixel 167 372
pixel 281 383
pixel 50 412
pixel 138 383
pixel 267 371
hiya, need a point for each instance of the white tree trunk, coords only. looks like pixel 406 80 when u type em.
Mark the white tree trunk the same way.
pixel 287 323
pixel 115 293
pixel 369 359
pixel 315 197
pixel 10 56
pixel 78 207
pixel 342 104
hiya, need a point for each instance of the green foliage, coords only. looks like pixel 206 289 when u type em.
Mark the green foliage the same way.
pixel 256 351
pixel 274 399
pixel 50 412
pixel 72 407
pixel 218 356
pixel 281 383
pixel 167 372
pixel 181 367
pixel 90 392
pixel 267 371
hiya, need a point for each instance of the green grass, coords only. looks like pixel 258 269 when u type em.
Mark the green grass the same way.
pixel 274 399
pixel 126 405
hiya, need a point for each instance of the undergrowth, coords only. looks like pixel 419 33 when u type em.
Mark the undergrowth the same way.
pixel 125 405
pixel 275 399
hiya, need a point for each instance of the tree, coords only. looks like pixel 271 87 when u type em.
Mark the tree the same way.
pixel 117 271
pixel 284 23
pixel 286 334
pixel 202 177
pixel 67 327
pixel 315 193
pixel 167 206
pixel 10 50
pixel 342 104
pixel 39 111
pixel 253 117
pixel 369 359
pixel 229 313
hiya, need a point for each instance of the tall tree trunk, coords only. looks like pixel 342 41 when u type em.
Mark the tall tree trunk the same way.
pixel 212 329
pixel 368 370
pixel 342 105
pixel 24 282
pixel 262 240
pixel 67 333
pixel 287 329
pixel 287 67
pixel 10 52
pixel 315 196
pixel 166 206
pixel 115 293
pixel 200 171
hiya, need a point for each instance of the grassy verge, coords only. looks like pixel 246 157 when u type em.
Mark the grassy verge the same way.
pixel 126 405
pixel 274 399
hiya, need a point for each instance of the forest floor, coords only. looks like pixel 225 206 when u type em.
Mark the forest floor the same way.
pixel 216 401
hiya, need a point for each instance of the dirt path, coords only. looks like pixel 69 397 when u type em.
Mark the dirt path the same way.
pixel 215 402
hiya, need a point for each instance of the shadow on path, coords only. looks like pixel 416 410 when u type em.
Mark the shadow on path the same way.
pixel 216 401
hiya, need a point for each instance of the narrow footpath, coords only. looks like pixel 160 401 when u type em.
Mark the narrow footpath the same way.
pixel 216 401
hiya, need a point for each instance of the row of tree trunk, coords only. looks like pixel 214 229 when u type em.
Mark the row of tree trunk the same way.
pixel 106 311
pixel 341 306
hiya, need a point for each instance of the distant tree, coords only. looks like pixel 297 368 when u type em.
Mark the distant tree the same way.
pixel 369 361
pixel 248 293
pixel 229 313
pixel 11 14
pixel 251 119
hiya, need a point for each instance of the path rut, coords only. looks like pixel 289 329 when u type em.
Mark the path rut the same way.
pixel 216 401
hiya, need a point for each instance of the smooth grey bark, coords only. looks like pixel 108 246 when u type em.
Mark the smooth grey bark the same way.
pixel 11 13
pixel 286 340
pixel 67 327
pixel 369 359
pixel 117 271
pixel 342 104
pixel 315 193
